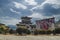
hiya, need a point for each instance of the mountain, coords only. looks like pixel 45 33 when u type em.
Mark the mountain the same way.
pixel 12 27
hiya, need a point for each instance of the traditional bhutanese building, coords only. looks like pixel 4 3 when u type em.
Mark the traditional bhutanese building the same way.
pixel 45 24
pixel 3 26
pixel 25 23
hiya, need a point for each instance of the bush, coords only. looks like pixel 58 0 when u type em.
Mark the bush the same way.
pixel 1 30
pixel 36 32
pixel 48 32
pixel 22 30
pixel 28 32
pixel 11 31
pixel 56 31
pixel 19 30
pixel 44 32
pixel 41 32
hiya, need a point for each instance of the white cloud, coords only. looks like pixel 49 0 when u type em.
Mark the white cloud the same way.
pixel 9 20
pixel 55 4
pixel 31 2
pixel 52 1
pixel 19 5
pixel 37 15
pixel 40 16
pixel 57 17
pixel 14 11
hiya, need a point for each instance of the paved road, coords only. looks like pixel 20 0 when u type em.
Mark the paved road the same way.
pixel 12 37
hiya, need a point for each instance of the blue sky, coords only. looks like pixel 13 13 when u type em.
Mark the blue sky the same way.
pixel 12 10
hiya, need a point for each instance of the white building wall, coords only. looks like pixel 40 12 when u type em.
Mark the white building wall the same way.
pixel 52 26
